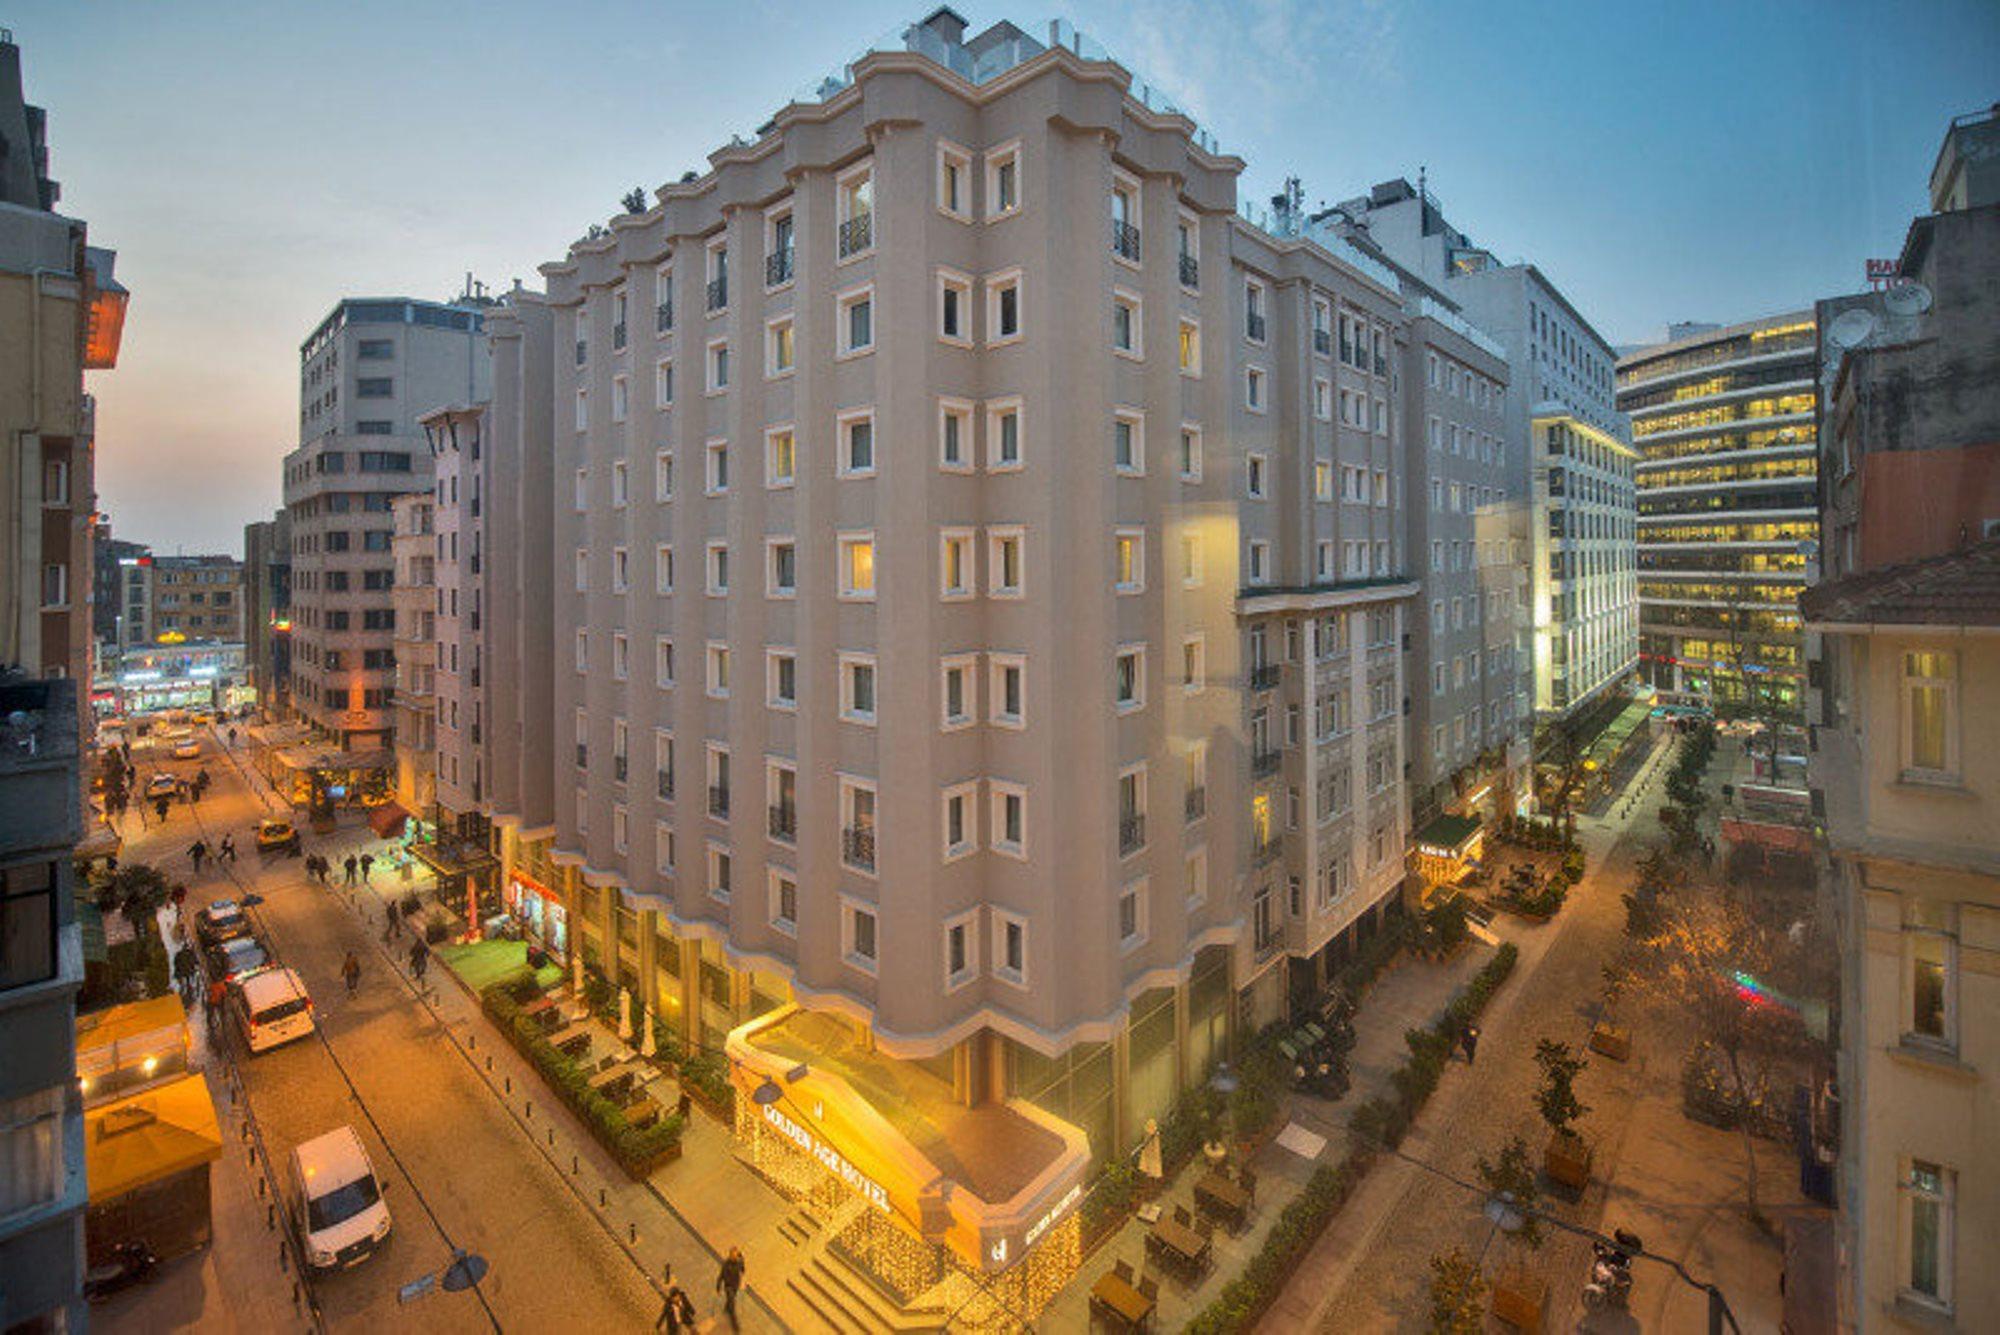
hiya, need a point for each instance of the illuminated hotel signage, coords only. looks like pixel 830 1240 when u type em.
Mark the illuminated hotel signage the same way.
pixel 828 1158
pixel 1055 1212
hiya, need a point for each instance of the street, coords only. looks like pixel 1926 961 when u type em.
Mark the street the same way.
pixel 458 1171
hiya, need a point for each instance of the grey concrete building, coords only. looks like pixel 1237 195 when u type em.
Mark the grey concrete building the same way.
pixel 267 609
pixel 171 599
pixel 42 1190
pixel 1583 620
pixel 366 374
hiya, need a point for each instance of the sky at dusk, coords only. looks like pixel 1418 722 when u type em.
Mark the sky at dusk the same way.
pixel 252 163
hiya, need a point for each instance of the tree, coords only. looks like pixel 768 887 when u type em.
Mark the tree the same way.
pixel 1556 1100
pixel 1458 1295
pixel 1512 1175
pixel 634 200
pixel 135 890
pixel 1718 966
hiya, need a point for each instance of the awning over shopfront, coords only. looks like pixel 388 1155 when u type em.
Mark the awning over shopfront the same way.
pixel 387 820
pixel 149 1137
pixel 987 1181
pixel 449 854
pixel 1448 846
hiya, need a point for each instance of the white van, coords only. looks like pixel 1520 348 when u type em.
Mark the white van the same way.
pixel 271 1008
pixel 341 1215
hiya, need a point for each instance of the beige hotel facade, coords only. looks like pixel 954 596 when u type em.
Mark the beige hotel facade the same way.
pixel 950 631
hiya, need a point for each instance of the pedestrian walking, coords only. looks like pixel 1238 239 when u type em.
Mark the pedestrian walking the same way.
pixel 1469 1042
pixel 231 735
pixel 420 958
pixel 392 921
pixel 186 971
pixel 677 1312
pixel 367 861
pixel 350 970
pixel 197 852
pixel 160 808
pixel 218 992
pixel 229 847
pixel 352 864
pixel 728 1280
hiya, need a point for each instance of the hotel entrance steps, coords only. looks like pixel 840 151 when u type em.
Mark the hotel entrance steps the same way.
pixel 800 1226
pixel 845 1302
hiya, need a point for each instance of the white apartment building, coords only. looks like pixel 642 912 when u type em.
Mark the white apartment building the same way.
pixel 366 374
pixel 950 632
pixel 415 601
pixel 1583 520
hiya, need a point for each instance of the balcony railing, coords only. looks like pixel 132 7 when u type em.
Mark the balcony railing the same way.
pixel 784 821
pixel 663 317
pixel 1322 342
pixel 582 352
pixel 857 846
pixel 857 234
pixel 1253 327
pixel 778 267
pixel 718 293
pixel 718 800
pixel 1264 676
pixel 1197 803
pixel 1190 271
pixel 663 784
pixel 618 336
pixel 1268 850
pixel 1125 240
pixel 1266 762
pixel 1131 834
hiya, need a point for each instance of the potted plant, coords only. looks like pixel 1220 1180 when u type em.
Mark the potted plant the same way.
pixel 1458 1295
pixel 1520 1294
pixel 1567 1158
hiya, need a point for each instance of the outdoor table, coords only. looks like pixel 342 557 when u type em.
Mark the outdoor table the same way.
pixel 1222 1196
pixel 613 1077
pixel 1185 1246
pixel 542 1011
pixel 576 1036
pixel 642 1111
pixel 1120 1301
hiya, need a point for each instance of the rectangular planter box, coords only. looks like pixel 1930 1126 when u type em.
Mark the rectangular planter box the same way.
pixel 1519 1299
pixel 1566 1161
pixel 1611 1041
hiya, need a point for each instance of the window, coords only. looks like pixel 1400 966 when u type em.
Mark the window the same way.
pixel 377 387
pixel 1128 442
pixel 719 873
pixel 1003 307
pixel 620 398
pixel 1253 476
pixel 718 365
pixel 781 568
pixel 718 569
pixel 1322 399
pixel 857 688
pixel 955 691
pixel 1190 453
pixel 784 901
pixel 663 475
pixel 1191 559
pixel 1131 810
pixel 1128 679
pixel 663 569
pixel 1128 562
pixel 960 951
pixel 55 481
pixel 1254 322
pixel 718 781
pixel 1003 435
pixel 1003 181
pixel 1259 562
pixel 857 822
pixel 583 651
pixel 718 671
pixel 955 435
pixel 1928 1216
pixel 781 457
pixel 1004 574
pixel 663 384
pixel 954 181
pixel 621 570
pixel 583 410
pixel 856 321
pixel 781 679
pixel 954 313
pixel 857 566
pixel 582 567
pixel 960 832
pixel 854 201
pixel 1009 818
pixel 779 249
pixel 663 773
pixel 856 431
pixel 1194 663
pixel 715 460
pixel 1930 954
pixel 1253 388
pixel 1007 692
pixel 1127 336
pixel 1190 346
pixel 1132 915
pixel 1930 715
pixel 28 926
pixel 780 356
pixel 1322 481
pixel 620 829
pixel 955 577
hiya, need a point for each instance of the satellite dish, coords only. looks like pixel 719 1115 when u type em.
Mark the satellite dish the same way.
pixel 1906 299
pixel 1850 329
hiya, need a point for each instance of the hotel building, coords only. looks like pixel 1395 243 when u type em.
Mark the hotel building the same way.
pixel 365 374
pixel 415 551
pixel 1724 419
pixel 955 641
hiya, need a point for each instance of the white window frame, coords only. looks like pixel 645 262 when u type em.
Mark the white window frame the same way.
pixel 775 331
pixel 663 569
pixel 712 567
pixel 844 421
pixel 621 397
pixel 997 410
pixel 968 794
pixel 961 412
pixel 955 281
pixel 845 349
pixel 1136 535
pixel 995 284
pixel 1256 476
pixel 1135 307
pixel 772 547
pixel 968 666
pixel 965 541
pixel 997 793
pixel 1256 392
pixel 996 537
pixel 1194 663
pixel 1134 418
pixel 774 658
pixel 958 156
pixel 715 670
pixel 995 158
pixel 968 923
pixel 848 543
pixel 775 877
pixel 663 661
pixel 1136 654
pixel 715 367
pixel 663 383
pixel 847 662
pixel 663 476
pixel 773 479
pixel 997 666
pixel 1138 890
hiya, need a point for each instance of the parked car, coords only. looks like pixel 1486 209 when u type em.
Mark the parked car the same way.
pixel 174 732
pixel 220 921
pixel 341 1214
pixel 187 748
pixel 231 959
pixel 271 1008
pixel 276 835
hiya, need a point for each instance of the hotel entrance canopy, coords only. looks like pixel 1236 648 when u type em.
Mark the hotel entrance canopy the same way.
pixel 987 1181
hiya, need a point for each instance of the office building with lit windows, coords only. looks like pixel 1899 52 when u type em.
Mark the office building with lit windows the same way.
pixel 1724 419
pixel 1584 610
pixel 975 566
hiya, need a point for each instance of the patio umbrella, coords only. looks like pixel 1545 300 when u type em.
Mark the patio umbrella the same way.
pixel 576 959
pixel 624 1015
pixel 647 1045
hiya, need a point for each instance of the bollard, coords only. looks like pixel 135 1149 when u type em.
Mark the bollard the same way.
pixel 271 1215
pixel 603 1199
pixel 552 1137
pixel 632 1234
pixel 284 1260
pixel 489 1061
pixel 575 1165
pixel 508 1081
pixel 472 1041
pixel 263 1187
pixel 528 1108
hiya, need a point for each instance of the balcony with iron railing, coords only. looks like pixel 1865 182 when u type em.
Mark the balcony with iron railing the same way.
pixel 1190 271
pixel 582 352
pixel 857 234
pixel 663 317
pixel 1125 240
pixel 857 846
pixel 1196 803
pixel 1266 762
pixel 1131 834
pixel 718 293
pixel 718 800
pixel 784 822
pixel 778 267
pixel 1254 327
pixel 1268 850
pixel 1264 676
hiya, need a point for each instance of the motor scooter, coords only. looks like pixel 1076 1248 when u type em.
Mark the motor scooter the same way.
pixel 130 1263
pixel 1611 1271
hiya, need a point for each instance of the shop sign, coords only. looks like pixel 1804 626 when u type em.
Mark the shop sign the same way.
pixel 828 1158
pixel 1054 1212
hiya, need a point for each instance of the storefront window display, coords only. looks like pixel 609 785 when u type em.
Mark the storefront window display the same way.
pixel 540 913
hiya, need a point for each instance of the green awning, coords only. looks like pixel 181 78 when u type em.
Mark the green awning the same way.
pixel 1452 832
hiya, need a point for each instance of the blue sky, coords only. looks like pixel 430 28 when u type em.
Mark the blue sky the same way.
pixel 1693 159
